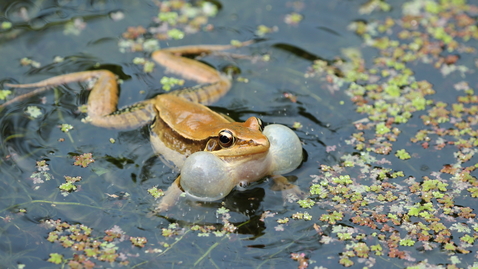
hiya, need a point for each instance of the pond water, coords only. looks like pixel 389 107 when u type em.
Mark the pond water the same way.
pixel 380 95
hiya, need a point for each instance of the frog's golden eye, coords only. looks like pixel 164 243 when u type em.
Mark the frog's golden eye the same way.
pixel 226 138
pixel 261 124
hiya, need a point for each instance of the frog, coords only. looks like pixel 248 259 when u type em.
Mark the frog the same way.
pixel 213 153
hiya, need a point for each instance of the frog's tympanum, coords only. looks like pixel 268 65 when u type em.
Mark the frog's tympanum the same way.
pixel 213 153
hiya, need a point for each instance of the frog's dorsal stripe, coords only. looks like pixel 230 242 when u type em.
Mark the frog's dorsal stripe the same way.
pixel 206 93
pixel 130 117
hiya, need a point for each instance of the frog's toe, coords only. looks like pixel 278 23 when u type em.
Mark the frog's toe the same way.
pixel 162 207
pixel 293 194
pixel 290 192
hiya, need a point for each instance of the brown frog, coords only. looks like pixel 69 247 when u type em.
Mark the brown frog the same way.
pixel 230 153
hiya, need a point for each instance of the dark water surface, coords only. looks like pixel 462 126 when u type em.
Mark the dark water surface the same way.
pixel 114 189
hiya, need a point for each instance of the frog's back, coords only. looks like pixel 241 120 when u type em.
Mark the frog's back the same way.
pixel 190 120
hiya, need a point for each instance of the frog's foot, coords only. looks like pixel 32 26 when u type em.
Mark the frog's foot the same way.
pixel 290 192
pixel 170 197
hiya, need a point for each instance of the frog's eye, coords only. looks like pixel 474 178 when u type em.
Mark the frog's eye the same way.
pixel 226 138
pixel 261 124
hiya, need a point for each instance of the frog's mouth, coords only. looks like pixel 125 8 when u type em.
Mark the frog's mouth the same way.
pixel 244 151
pixel 240 148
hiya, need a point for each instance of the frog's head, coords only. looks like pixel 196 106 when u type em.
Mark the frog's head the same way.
pixel 210 175
pixel 239 140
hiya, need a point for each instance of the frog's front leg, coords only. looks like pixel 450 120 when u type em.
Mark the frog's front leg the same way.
pixel 290 192
pixel 101 102
pixel 171 196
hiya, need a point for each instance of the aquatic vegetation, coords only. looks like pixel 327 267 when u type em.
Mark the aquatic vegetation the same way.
pixel 410 210
pixel 69 186
pixel 65 127
pixel 293 18
pixel 84 159
pixel 33 112
pixel 4 94
pixel 169 82
pixel 42 172
pixel 175 20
